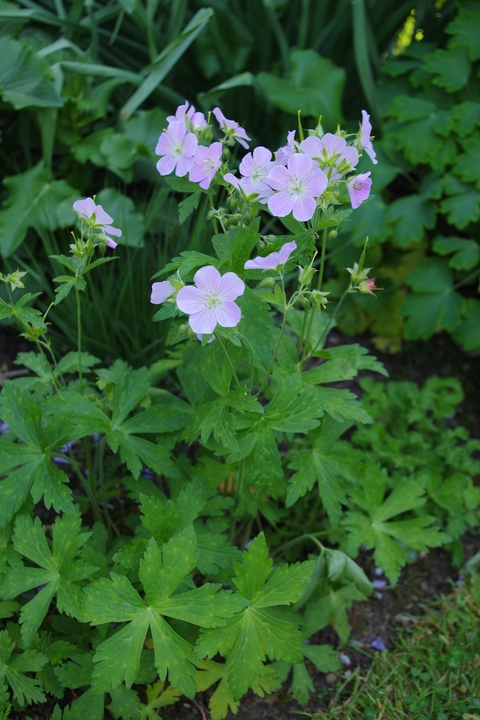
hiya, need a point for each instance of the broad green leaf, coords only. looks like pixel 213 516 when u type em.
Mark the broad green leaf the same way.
pixel 464 29
pixel 375 529
pixel 221 701
pixel 466 163
pixel 302 91
pixel 162 571
pixel 466 253
pixel 294 407
pixel 256 329
pixel 451 68
pixel 26 79
pixel 435 303
pixel 410 217
pixel 463 206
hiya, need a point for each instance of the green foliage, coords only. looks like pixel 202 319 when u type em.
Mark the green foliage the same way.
pixel 430 200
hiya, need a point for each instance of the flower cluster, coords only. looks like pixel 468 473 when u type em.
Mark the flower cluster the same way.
pixel 292 182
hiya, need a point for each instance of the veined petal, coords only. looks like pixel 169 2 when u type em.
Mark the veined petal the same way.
pixel 190 300
pixel 208 279
pixel 85 207
pixel 203 322
pixel 304 208
pixel 166 164
pixel 299 165
pixel 281 204
pixel 278 177
pixel 231 287
pixel 228 314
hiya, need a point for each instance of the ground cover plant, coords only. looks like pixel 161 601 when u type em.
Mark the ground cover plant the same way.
pixel 190 525
pixel 432 671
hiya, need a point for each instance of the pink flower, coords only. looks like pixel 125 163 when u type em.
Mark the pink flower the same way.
pixel 272 261
pixel 177 146
pixel 298 185
pixel 282 155
pixel 231 128
pixel 365 137
pixel 187 115
pixel 207 162
pixel 359 189
pixel 211 302
pixel 161 291
pixel 97 218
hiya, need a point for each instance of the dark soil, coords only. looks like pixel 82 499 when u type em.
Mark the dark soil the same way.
pixel 390 609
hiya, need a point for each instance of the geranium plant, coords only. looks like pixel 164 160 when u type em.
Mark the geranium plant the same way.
pixel 162 495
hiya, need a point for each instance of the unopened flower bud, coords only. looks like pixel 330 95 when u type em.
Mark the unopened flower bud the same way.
pixel 183 328
pixel 319 299
pixel 368 286
pixel 306 274
pixel 268 282
pixel 177 283
pixel 233 202
pixel 332 234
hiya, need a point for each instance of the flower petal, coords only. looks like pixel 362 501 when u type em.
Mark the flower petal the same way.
pixel 208 279
pixel 161 291
pixel 228 314
pixel 203 322
pixel 190 300
pixel 231 287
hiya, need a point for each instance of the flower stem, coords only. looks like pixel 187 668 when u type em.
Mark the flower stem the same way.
pixel 229 361
pixel 282 328
pixel 328 325
pixel 79 333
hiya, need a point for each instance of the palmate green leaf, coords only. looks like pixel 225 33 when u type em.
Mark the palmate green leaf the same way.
pixel 467 117
pixel 435 303
pixel 58 570
pixel 464 29
pixel 424 128
pixel 258 633
pixel 410 217
pixel 331 608
pixel 450 67
pixel 376 530
pixel 221 701
pixel 466 253
pixel 463 207
pixel 466 163
pixel 324 658
pixel 294 407
pixel 33 202
pixel 215 418
pixel 13 669
pixel 36 472
pixel 327 463
pixel 116 600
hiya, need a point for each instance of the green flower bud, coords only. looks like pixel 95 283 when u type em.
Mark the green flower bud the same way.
pixel 306 274
pixel 268 282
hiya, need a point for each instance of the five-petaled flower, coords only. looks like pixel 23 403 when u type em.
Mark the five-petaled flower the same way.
pixel 177 147
pixel 211 302
pixel 359 189
pixel 231 128
pixel 272 261
pixel 365 137
pixel 207 162
pixel 96 217
pixel 298 185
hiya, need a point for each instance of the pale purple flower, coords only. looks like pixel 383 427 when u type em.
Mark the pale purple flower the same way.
pixel 379 584
pixel 298 185
pixel 272 261
pixel 366 137
pixel 231 128
pixel 207 162
pixel 359 189
pixel 211 302
pixel 187 115
pixel 97 218
pixel 282 155
pixel 331 151
pixel 177 147
pixel 161 291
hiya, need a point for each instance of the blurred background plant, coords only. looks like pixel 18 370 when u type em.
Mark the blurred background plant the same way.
pixel 85 94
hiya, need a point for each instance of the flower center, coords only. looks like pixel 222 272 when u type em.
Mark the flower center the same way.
pixel 177 149
pixel 296 186
pixel 212 300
